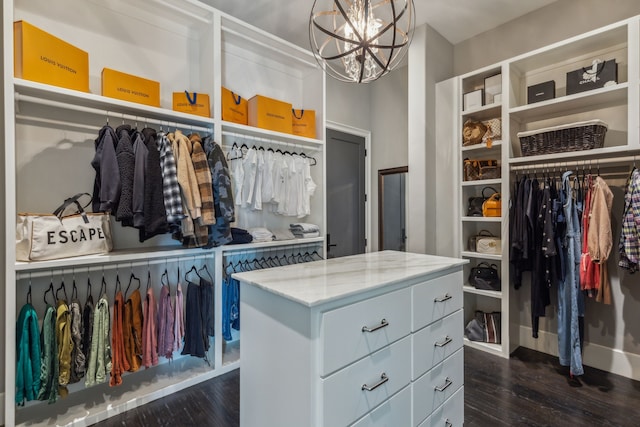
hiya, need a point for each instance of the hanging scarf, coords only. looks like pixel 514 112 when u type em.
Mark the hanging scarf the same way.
pixel 165 324
pixel 178 324
pixel 49 363
pixel 78 360
pixel 27 355
pixel 133 330
pixel 119 362
pixel 100 355
pixel 149 331
pixel 87 330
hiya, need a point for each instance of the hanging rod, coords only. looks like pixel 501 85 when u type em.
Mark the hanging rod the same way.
pixel 266 140
pixel 88 269
pixel 577 163
pixel 240 252
pixel 99 112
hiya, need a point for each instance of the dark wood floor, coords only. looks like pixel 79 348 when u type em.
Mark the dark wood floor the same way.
pixel 530 389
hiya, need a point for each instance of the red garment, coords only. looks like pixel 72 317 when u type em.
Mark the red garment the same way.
pixel 119 362
pixel 589 270
pixel 149 331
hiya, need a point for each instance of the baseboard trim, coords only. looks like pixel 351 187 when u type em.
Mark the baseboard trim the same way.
pixel 2 408
pixel 597 356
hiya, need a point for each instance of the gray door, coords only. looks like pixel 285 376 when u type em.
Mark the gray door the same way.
pixel 394 212
pixel 345 194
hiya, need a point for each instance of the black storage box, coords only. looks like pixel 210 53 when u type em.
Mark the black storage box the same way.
pixel 600 74
pixel 541 92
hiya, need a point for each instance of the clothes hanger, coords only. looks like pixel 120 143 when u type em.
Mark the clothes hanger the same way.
pixel 164 279
pixel 103 287
pixel 118 287
pixel 74 290
pixel 64 289
pixel 50 289
pixel 29 296
pixel 209 277
pixel 131 279
pixel 192 269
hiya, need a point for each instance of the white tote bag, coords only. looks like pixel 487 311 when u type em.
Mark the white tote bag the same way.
pixel 42 237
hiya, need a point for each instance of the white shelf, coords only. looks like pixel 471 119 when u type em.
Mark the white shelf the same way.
pixel 580 102
pixel 482 146
pixel 484 112
pixel 266 134
pixel 597 153
pixel 492 348
pixel 74 98
pixel 482 182
pixel 471 290
pixel 481 219
pixel 469 254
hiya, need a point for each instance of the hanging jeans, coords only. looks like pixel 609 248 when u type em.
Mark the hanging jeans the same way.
pixel 570 298
pixel 230 307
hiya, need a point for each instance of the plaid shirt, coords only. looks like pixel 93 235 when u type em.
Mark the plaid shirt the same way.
pixel 170 186
pixel 203 176
pixel 630 236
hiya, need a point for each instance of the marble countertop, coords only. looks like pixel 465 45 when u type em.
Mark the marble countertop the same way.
pixel 318 282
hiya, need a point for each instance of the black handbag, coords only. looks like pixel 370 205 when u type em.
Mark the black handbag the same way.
pixel 485 276
pixel 475 203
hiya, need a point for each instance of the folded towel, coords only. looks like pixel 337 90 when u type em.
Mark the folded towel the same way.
pixel 304 227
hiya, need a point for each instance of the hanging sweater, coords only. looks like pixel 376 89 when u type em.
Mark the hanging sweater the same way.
pixel 49 363
pixel 100 356
pixel 600 236
pixel 27 355
pixel 126 167
pixel 149 331
pixel 155 215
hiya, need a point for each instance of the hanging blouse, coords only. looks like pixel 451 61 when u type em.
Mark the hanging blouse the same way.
pixel 629 245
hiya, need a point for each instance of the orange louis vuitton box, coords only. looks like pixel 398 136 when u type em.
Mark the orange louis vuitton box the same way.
pixel 192 103
pixel 304 123
pixel 268 113
pixel 41 57
pixel 234 107
pixel 116 84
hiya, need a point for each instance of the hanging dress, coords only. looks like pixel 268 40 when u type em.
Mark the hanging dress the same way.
pixel 570 298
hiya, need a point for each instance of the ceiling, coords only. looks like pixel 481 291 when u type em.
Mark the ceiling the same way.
pixel 456 20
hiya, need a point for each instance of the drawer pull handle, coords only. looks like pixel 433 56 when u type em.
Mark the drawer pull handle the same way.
pixel 447 383
pixel 443 299
pixel 448 423
pixel 382 324
pixel 383 379
pixel 446 341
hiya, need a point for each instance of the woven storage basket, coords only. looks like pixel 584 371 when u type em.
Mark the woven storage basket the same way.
pixel 559 139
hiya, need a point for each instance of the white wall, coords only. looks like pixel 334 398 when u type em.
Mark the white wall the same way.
pixel 389 126
pixel 348 104
pixel 430 61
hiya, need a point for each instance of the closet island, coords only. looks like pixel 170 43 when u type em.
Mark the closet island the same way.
pixel 371 339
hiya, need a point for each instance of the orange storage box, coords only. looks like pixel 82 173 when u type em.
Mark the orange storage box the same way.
pixel 192 103
pixel 303 123
pixel 41 57
pixel 116 84
pixel 268 113
pixel 234 107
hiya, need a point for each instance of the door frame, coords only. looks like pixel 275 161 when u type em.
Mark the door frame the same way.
pixel 366 134
pixel 381 175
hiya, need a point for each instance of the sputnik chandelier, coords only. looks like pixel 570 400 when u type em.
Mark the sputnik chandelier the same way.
pixel 360 40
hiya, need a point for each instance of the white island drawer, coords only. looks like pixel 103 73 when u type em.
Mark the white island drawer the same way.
pixel 434 343
pixel 356 330
pixel 345 397
pixel 392 413
pixel 451 414
pixel 436 298
pixel 436 386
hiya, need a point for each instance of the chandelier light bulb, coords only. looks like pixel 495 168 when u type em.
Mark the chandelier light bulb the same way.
pixel 360 40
